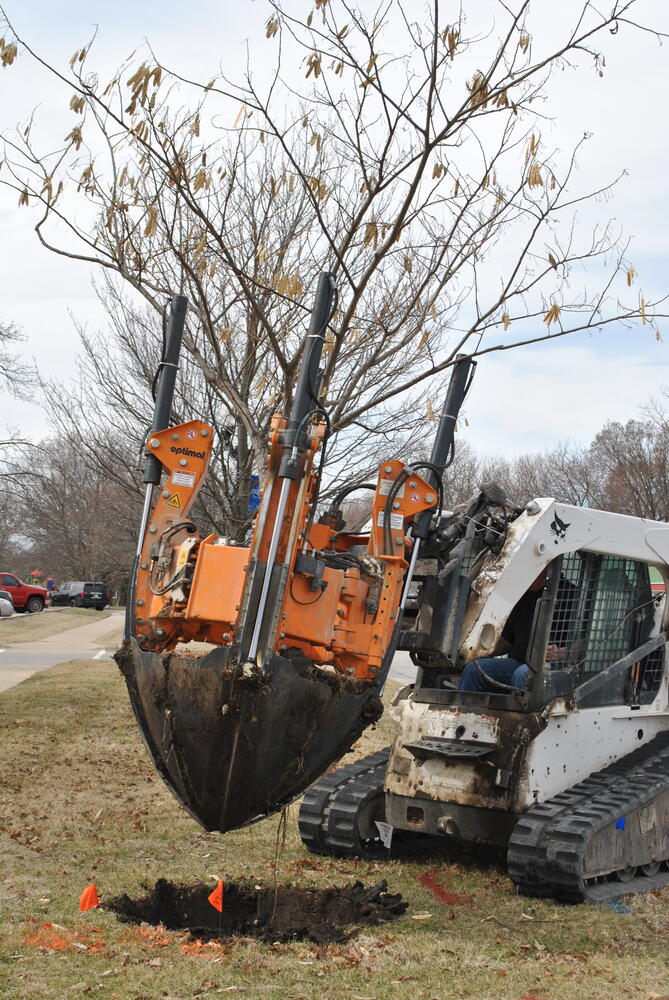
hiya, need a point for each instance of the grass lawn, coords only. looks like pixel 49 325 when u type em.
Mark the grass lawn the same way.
pixel 79 802
pixel 29 628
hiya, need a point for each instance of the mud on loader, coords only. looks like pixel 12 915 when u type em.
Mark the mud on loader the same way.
pixel 569 775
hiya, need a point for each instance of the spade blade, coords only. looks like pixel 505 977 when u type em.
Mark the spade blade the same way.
pixel 232 748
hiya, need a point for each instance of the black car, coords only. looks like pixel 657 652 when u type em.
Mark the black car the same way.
pixel 81 594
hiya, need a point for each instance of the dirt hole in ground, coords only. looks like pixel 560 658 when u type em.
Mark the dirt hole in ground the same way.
pixel 277 913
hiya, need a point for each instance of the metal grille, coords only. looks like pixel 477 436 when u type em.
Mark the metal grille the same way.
pixel 604 609
pixel 644 678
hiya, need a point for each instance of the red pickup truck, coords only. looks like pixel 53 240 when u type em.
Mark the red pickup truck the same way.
pixel 24 596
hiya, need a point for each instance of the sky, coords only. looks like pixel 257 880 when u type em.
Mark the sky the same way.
pixel 522 400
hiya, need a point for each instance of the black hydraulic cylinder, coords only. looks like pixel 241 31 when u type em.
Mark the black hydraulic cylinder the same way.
pixel 443 441
pixel 167 376
pixel 306 390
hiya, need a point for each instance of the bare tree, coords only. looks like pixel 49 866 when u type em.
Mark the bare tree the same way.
pixel 410 160
pixel 16 377
pixel 569 472
pixel 633 459
pixel 75 522
pixel 10 526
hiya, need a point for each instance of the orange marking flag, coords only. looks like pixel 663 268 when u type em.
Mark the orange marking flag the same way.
pixel 89 898
pixel 216 897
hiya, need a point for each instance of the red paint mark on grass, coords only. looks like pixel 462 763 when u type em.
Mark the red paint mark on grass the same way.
pixel 52 937
pixel 432 882
pixel 207 949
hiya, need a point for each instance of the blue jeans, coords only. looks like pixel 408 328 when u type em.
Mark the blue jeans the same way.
pixel 498 668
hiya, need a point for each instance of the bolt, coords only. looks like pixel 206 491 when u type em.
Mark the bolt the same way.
pixel 350 670
pixel 183 461
pixel 175 437
pixel 236 607
pixel 154 442
pixel 161 632
pixel 152 529
pixel 139 621
pixel 430 498
pixel 396 504
pixel 140 602
pixel 388 469
pixel 204 432
pixel 144 564
pixel 413 484
pixel 282 635
pixel 166 494
pixel 399 540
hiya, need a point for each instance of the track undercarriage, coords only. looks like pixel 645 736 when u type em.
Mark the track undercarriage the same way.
pixel 603 839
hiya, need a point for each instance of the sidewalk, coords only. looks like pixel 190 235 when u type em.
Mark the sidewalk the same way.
pixel 82 643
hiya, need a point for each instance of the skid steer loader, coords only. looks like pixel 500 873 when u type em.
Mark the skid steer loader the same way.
pixel 569 774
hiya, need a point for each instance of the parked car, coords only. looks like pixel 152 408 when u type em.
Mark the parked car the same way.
pixel 25 597
pixel 81 594
pixel 6 605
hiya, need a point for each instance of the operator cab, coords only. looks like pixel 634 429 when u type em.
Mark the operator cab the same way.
pixel 596 635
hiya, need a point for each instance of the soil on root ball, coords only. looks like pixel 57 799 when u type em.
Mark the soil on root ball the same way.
pixel 277 913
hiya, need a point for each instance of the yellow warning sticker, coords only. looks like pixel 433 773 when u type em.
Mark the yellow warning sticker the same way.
pixel 174 501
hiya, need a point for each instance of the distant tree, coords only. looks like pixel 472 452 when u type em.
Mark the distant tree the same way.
pixel 10 527
pixel 16 377
pixel 633 459
pixel 567 472
pixel 76 523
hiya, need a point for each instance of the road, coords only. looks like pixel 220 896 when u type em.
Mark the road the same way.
pixel 402 670
pixel 23 659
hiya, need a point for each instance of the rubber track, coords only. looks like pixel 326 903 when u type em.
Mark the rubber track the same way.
pixel 329 810
pixel 548 845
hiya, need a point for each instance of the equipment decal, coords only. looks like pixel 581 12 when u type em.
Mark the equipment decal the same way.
pixel 174 501
pixel 386 485
pixel 183 478
pixel 396 520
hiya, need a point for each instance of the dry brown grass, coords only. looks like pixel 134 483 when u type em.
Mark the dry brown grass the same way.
pixel 29 628
pixel 79 802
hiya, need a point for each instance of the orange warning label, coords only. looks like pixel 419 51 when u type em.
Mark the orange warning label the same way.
pixel 174 501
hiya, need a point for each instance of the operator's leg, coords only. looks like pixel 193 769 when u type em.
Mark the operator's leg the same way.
pixel 497 668
pixel 519 678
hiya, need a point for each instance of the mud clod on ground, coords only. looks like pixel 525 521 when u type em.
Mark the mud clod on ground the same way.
pixel 277 913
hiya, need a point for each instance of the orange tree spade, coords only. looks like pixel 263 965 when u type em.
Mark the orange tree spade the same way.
pixel 405 152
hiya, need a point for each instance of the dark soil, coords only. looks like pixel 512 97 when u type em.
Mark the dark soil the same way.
pixel 281 913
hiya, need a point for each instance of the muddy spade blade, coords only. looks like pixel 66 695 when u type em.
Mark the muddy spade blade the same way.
pixel 232 748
